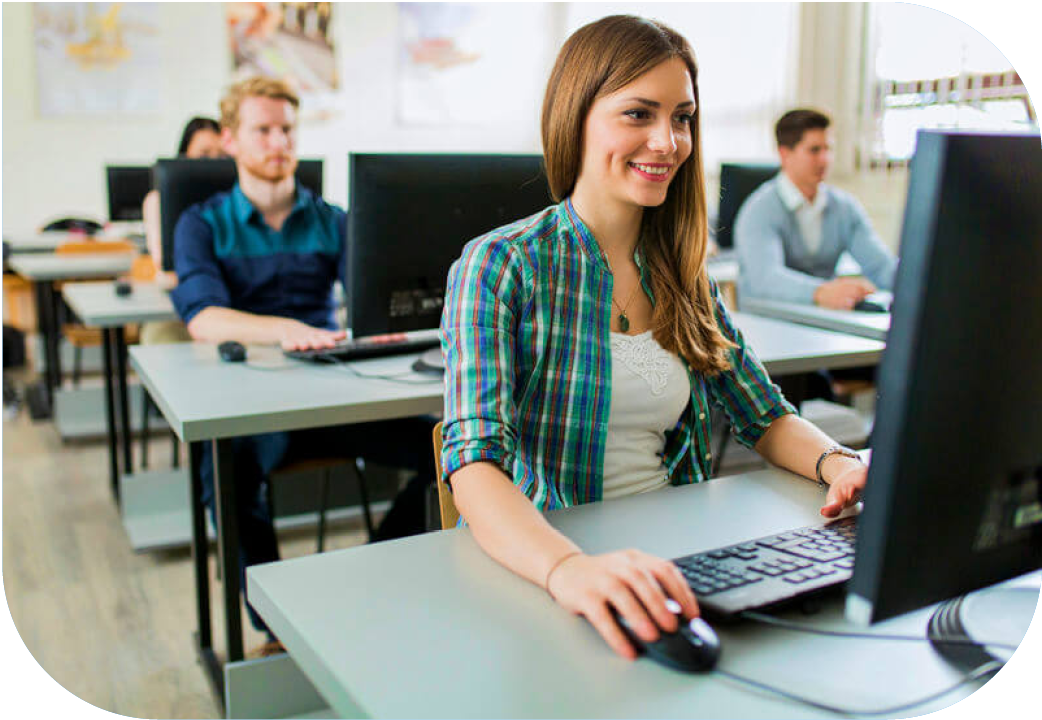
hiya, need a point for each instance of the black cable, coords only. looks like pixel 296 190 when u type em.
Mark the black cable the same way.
pixel 987 668
pixel 396 378
pixel 800 627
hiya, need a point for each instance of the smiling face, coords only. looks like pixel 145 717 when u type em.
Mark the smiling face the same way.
pixel 636 139
pixel 264 141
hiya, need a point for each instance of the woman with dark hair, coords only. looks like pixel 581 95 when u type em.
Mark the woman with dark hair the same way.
pixel 584 345
pixel 201 138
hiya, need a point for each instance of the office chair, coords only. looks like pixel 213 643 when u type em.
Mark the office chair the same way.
pixel 446 505
pixel 183 182
pixel 737 182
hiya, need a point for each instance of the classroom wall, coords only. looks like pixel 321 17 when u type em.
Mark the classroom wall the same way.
pixel 54 166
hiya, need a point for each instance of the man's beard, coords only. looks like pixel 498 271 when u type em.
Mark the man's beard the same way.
pixel 270 173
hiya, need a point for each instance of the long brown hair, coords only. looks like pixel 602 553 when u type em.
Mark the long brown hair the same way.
pixel 600 59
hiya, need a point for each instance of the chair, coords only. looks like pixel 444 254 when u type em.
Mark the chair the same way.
pixel 446 505
pixel 325 465
pixel 77 334
pixel 737 182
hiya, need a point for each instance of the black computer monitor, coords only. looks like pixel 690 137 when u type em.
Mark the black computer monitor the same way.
pixel 127 186
pixel 408 219
pixel 737 182
pixel 183 182
pixel 954 494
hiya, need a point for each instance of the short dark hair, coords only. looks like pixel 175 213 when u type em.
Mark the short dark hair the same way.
pixel 195 125
pixel 790 128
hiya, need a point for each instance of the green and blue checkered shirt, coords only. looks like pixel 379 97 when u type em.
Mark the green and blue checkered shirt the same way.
pixel 526 337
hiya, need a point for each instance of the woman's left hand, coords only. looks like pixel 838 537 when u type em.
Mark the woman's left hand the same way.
pixel 845 488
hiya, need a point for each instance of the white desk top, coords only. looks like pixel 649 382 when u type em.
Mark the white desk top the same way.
pixel 430 626
pixel 70 267
pixel 864 324
pixel 48 241
pixel 98 305
pixel 204 398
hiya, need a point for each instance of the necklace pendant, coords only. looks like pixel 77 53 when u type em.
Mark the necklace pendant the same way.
pixel 624 322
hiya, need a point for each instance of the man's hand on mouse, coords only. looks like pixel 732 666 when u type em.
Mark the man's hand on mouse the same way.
pixel 300 336
pixel 634 583
pixel 843 293
pixel 846 483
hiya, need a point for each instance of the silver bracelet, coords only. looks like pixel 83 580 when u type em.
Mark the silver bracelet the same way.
pixel 834 450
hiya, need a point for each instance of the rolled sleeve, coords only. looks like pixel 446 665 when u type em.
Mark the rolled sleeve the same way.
pixel 745 391
pixel 478 336
pixel 200 282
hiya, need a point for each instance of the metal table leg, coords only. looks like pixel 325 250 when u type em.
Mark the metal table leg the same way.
pixel 110 412
pixel 200 564
pixel 124 410
pixel 228 544
pixel 41 395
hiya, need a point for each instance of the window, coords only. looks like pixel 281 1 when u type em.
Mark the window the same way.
pixel 930 70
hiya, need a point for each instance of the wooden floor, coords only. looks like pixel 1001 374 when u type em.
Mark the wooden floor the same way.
pixel 111 626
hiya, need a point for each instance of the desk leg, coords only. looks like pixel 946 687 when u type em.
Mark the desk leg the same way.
pixel 110 412
pixel 228 544
pixel 41 398
pixel 200 563
pixel 124 410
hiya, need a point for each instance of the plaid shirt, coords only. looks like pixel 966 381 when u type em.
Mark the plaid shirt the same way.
pixel 526 336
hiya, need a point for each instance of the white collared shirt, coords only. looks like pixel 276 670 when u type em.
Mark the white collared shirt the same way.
pixel 809 215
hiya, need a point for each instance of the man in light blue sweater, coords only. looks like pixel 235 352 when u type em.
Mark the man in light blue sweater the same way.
pixel 790 233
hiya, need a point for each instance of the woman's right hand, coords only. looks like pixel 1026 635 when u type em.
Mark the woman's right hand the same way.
pixel 632 582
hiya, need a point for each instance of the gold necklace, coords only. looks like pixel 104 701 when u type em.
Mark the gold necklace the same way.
pixel 624 322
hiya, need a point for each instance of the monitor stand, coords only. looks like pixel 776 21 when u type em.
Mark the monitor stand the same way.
pixel 999 614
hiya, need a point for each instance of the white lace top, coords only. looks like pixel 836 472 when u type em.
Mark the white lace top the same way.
pixel 649 390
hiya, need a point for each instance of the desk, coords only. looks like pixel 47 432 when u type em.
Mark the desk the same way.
pixel 43 270
pixel 430 626
pixel 863 324
pixel 97 305
pixel 205 400
pixel 48 241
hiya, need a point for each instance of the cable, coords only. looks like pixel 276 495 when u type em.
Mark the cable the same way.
pixel 399 378
pixel 800 627
pixel 987 668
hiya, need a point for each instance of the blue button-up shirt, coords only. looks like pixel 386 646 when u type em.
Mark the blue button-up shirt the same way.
pixel 226 255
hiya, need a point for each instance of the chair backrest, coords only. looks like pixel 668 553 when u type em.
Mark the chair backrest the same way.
pixel 737 182
pixel 83 247
pixel 447 506
pixel 183 182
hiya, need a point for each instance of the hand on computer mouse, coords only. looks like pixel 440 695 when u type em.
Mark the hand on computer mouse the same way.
pixel 845 486
pixel 636 585
pixel 300 336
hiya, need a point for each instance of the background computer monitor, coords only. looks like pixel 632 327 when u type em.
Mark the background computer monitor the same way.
pixel 737 182
pixel 954 494
pixel 183 182
pixel 127 187
pixel 409 217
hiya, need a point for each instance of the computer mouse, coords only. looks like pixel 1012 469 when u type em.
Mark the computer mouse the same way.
pixel 870 306
pixel 694 647
pixel 123 288
pixel 232 351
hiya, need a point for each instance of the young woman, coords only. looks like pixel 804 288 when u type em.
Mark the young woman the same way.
pixel 584 344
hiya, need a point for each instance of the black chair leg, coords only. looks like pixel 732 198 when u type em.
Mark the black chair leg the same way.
pixel 77 365
pixel 145 407
pixel 323 504
pixel 175 450
pixel 363 489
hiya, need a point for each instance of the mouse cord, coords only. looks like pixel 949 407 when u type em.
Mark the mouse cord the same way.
pixel 801 627
pixel 988 668
pixel 400 378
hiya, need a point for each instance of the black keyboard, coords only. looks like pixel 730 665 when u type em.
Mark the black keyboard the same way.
pixel 371 347
pixel 771 570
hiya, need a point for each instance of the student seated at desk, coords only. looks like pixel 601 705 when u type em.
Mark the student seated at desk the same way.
pixel 791 232
pixel 257 265
pixel 201 138
pixel 585 344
